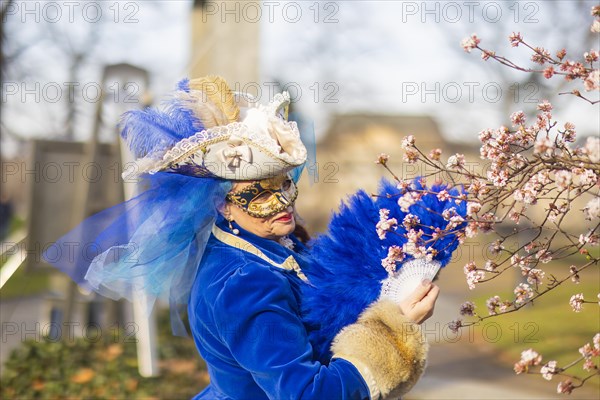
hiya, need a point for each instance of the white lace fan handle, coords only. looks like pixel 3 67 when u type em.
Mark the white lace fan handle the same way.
pixel 408 277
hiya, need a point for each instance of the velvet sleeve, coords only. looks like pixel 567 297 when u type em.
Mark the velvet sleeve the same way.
pixel 260 324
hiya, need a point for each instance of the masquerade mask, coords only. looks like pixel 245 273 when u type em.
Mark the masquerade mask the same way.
pixel 266 197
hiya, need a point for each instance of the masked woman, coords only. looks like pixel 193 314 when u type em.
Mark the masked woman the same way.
pixel 215 230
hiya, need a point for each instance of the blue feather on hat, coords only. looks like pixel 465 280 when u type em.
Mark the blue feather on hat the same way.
pixel 152 132
pixel 347 274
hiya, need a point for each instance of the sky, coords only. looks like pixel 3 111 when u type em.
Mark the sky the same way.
pixel 384 57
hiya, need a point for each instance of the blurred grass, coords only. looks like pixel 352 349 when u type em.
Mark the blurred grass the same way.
pixel 24 283
pixel 549 326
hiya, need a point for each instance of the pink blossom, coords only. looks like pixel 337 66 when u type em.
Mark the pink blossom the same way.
pixel 474 277
pixel 515 216
pixel 574 70
pixel 496 247
pixel 519 368
pixel 563 179
pixel 523 292
pixel 394 255
pixel 548 72
pixel 454 222
pixel 461 197
pixel 586 177
pixel 596 339
pixel 595 26
pixel 565 386
pixel 467 308
pixel 470 43
pixel 382 159
pixel 449 213
pixel 544 106
pixel 595 12
pixel 407 200
pixel 589 238
pixel 515 39
pixel 535 276
pixel 544 146
pixel 544 256
pixel 470 266
pixel 592 209
pixel 540 56
pixel 385 223
pixel 478 187
pixel 473 208
pixel 591 56
pixel 573 271
pixel 412 249
pixel 561 54
pixel 592 148
pixel 517 261
pixel 408 142
pixel 530 246
pixel 443 195
pixel 576 302
pixel 486 54
pixel 518 118
pixel 403 185
pixel 456 161
pixel 455 325
pixel 549 370
pixel 486 222
pixel 543 120
pixel 505 306
pixel 592 81
pixel 472 229
pixel 569 133
pixel 411 156
pixel 586 351
pixel 498 178
pixel 490 266
pixel 530 357
pixel 492 303
pixel 486 135
pixel 410 221
pixel 541 178
pixel 413 236
pixel 435 154
pixel 588 365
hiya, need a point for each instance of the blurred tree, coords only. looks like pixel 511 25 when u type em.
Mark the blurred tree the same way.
pixel 544 23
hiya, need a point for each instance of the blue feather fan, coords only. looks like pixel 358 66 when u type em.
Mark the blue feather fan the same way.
pixel 347 274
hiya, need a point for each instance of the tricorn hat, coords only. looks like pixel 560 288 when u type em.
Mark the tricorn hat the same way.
pixel 207 130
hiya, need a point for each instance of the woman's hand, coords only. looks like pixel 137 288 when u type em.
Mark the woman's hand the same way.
pixel 419 305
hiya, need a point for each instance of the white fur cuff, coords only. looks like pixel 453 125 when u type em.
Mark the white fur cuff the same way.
pixel 388 350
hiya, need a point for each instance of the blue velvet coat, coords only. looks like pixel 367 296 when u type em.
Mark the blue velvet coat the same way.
pixel 245 318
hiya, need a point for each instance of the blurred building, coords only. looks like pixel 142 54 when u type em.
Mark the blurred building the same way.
pixel 225 42
pixel 346 158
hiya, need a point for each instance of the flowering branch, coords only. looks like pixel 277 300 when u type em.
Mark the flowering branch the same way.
pixel 571 70
pixel 536 183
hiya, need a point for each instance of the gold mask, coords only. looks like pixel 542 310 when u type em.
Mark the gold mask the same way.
pixel 265 198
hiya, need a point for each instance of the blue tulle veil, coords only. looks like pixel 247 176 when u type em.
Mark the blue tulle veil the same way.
pixel 151 244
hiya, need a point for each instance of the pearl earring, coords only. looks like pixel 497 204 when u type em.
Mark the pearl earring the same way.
pixel 234 230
